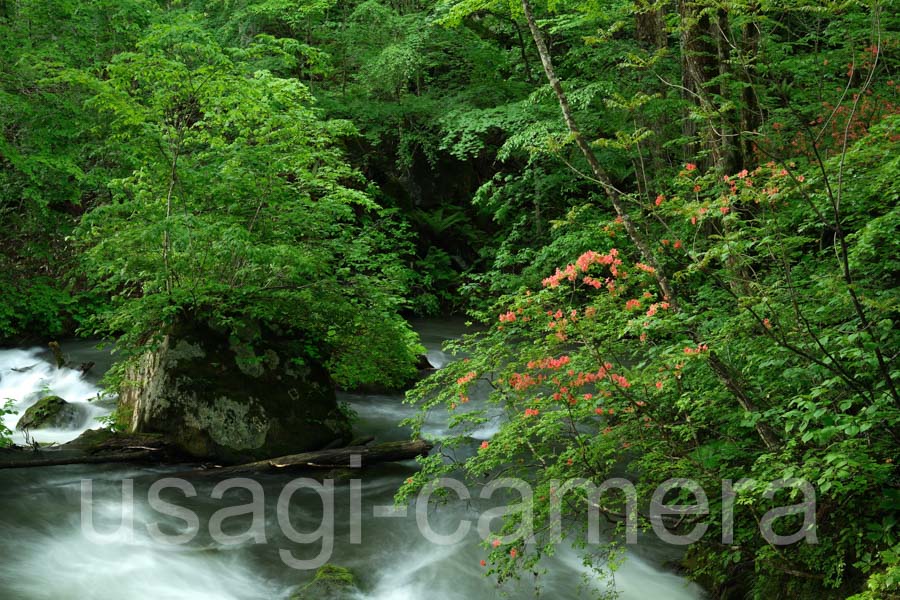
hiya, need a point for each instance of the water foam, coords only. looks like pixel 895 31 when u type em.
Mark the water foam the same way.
pixel 26 376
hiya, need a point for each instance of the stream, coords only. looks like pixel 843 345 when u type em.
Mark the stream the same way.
pixel 47 553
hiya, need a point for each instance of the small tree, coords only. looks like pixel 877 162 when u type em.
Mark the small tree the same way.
pixel 238 204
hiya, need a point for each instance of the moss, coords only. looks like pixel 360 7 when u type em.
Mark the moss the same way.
pixel 92 439
pixel 123 416
pixel 330 583
pixel 51 412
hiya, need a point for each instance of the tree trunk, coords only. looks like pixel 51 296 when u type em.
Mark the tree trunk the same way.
pixel 650 27
pixel 751 113
pixel 699 66
pixel 95 447
pixel 650 30
pixel 727 377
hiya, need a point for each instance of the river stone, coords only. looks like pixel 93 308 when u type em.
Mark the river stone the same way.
pixel 330 583
pixel 232 397
pixel 52 412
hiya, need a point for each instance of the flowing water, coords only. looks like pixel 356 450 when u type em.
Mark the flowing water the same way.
pixel 49 552
pixel 26 376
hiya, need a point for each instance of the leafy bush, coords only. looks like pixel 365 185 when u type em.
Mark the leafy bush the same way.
pixel 5 433
pixel 768 365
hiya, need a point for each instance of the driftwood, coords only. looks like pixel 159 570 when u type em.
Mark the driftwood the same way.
pixel 330 459
pixel 161 452
pixel 86 367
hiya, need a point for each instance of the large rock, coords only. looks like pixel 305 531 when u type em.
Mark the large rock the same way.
pixel 52 412
pixel 232 397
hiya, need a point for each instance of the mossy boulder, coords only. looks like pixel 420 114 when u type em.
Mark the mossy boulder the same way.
pixel 232 397
pixel 52 412
pixel 91 439
pixel 330 583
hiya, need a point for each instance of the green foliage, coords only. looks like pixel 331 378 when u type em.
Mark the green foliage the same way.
pixel 776 359
pixel 113 422
pixel 240 205
pixel 5 433
pixel 886 580
pixel 324 166
pixel 589 381
pixel 49 169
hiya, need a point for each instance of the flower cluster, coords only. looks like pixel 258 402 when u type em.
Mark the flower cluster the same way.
pixel 656 306
pixel 549 363
pixel 582 265
pixel 620 381
pixel 468 377
pixel 523 381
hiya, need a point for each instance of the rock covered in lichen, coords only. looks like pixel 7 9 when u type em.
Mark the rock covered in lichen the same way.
pixel 232 396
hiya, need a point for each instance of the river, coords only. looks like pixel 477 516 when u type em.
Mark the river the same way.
pixel 46 552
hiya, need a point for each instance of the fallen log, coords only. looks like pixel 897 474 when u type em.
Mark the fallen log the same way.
pixel 94 447
pixel 162 453
pixel 338 458
pixel 141 456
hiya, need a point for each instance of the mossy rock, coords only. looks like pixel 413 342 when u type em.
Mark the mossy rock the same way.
pixel 330 583
pixel 91 439
pixel 52 412
pixel 219 396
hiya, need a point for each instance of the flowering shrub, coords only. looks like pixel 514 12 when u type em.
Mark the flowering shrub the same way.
pixel 767 365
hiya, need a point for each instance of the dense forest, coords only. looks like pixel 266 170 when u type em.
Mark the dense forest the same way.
pixel 673 225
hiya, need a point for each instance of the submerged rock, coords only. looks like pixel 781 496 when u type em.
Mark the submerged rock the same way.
pixel 232 398
pixel 330 583
pixel 52 412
